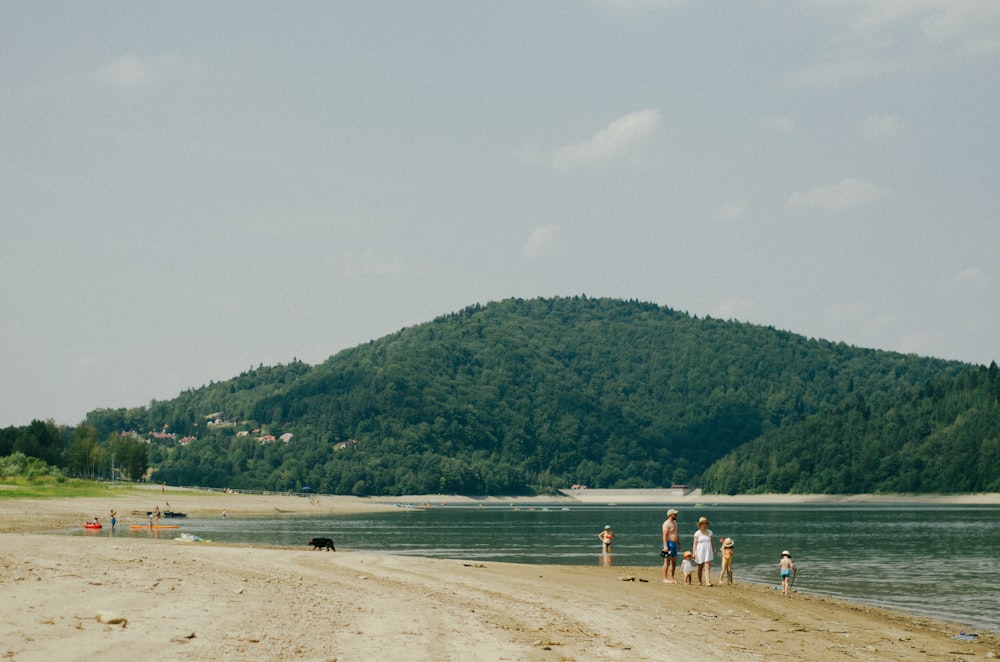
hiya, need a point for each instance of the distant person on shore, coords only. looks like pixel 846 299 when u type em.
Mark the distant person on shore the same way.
pixel 156 515
pixel 606 536
pixel 726 575
pixel 671 545
pixel 114 518
pixel 687 567
pixel 786 568
pixel 704 551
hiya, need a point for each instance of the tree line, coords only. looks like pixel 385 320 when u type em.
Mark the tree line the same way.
pixel 942 437
pixel 78 451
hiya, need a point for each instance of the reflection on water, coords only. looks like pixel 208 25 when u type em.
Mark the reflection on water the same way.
pixel 942 561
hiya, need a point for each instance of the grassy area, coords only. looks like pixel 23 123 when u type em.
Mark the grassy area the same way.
pixel 51 487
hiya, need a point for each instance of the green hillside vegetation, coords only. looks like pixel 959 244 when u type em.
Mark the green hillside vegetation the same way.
pixel 943 437
pixel 529 396
pixel 513 397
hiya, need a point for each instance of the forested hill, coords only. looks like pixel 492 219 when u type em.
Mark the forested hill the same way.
pixel 513 396
pixel 943 437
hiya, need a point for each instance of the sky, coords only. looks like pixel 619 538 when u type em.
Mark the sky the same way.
pixel 189 189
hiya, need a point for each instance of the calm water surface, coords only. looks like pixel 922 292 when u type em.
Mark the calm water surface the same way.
pixel 941 561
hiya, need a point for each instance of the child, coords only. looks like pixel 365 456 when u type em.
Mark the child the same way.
pixel 787 568
pixel 687 567
pixel 606 537
pixel 727 561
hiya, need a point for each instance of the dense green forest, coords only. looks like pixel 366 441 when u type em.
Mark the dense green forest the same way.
pixel 78 451
pixel 522 396
pixel 941 437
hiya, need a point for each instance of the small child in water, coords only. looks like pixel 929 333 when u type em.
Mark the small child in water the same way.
pixel 687 567
pixel 786 567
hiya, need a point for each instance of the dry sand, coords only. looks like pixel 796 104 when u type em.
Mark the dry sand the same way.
pixel 205 601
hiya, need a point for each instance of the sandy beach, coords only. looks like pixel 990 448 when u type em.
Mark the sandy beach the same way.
pixel 83 598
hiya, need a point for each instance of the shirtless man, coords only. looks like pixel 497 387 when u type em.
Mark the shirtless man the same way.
pixel 671 543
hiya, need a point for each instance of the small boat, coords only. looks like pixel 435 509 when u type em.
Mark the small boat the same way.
pixel 92 525
pixel 154 526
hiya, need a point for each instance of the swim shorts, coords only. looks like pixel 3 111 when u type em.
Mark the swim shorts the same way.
pixel 670 551
pixel 786 573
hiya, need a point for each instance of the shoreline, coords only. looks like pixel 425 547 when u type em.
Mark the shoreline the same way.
pixel 56 513
pixel 235 602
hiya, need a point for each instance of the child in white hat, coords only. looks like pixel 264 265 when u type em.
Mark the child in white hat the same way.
pixel 786 567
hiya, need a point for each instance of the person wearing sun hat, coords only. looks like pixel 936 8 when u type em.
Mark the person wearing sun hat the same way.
pixel 704 551
pixel 786 567
pixel 687 567
pixel 671 545
pixel 726 574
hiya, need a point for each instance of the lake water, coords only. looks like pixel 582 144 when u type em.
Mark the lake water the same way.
pixel 940 561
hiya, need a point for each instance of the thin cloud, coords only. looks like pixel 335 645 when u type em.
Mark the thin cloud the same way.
pixel 126 71
pixel 878 127
pixel 848 192
pixel 624 137
pixel 731 211
pixel 887 37
pixel 541 241
pixel 972 275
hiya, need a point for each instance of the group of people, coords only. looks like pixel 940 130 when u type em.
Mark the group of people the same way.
pixel 699 558
pixel 698 561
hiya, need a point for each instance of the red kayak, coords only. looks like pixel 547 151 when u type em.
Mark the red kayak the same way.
pixel 92 525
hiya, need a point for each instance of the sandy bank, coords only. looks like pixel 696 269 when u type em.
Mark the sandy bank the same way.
pixel 666 496
pixel 207 601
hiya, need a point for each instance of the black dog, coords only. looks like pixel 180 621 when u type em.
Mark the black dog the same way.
pixel 323 543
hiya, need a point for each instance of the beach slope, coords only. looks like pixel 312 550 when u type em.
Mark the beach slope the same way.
pixel 124 597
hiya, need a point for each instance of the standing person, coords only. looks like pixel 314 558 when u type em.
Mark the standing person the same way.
pixel 687 567
pixel 114 518
pixel 671 545
pixel 704 551
pixel 786 567
pixel 606 536
pixel 726 575
pixel 156 515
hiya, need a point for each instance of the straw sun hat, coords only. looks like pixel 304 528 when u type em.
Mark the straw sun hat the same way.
pixel 703 520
